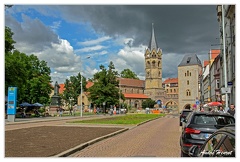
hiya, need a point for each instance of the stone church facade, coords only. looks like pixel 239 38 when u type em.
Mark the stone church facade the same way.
pixel 153 80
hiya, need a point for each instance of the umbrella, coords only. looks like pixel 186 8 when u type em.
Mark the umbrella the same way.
pixel 214 104
pixel 37 104
pixel 25 104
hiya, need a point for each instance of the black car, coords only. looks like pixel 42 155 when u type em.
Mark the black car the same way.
pixel 184 113
pixel 219 144
pixel 198 126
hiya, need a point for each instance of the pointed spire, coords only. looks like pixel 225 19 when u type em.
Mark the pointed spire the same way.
pixel 153 42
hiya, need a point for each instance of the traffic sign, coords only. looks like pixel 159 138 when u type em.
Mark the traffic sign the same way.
pixel 197 102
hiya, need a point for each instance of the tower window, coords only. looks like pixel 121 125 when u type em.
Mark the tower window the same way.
pixel 188 82
pixel 188 92
pixel 188 60
pixel 153 63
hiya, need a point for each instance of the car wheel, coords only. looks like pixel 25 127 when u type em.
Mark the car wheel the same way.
pixel 183 154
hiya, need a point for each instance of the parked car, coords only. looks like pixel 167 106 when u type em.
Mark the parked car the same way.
pixel 219 144
pixel 199 126
pixel 184 113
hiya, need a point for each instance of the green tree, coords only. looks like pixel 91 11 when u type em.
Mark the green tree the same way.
pixel 28 73
pixel 148 103
pixel 105 88
pixel 9 42
pixel 73 88
pixel 127 73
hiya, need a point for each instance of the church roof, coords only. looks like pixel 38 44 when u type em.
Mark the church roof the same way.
pixel 170 80
pixel 131 82
pixel 190 59
pixel 136 96
pixel 153 42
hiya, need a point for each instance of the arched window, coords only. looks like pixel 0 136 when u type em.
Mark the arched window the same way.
pixel 148 74
pixel 187 82
pixel 188 92
pixel 153 63
pixel 190 73
pixel 158 63
pixel 159 74
pixel 148 64
pixel 187 73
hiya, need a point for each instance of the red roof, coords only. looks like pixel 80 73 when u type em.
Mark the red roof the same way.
pixel 134 95
pixel 89 84
pixel 171 80
pixel 62 88
pixel 214 53
pixel 205 63
pixel 131 82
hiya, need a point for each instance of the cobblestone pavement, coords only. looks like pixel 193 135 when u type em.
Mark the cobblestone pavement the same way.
pixel 158 138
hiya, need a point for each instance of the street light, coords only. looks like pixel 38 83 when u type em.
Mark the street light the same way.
pixel 81 86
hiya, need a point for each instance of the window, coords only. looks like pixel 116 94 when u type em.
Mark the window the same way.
pixel 153 64
pixel 217 84
pixel 227 146
pixel 187 82
pixel 187 73
pixel 211 144
pixel 188 60
pixel 190 73
pixel 188 92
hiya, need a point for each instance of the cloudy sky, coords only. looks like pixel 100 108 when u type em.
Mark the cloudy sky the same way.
pixel 79 37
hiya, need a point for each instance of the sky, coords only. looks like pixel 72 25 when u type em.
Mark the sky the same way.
pixel 79 37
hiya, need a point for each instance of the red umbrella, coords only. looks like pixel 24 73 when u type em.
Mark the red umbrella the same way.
pixel 214 104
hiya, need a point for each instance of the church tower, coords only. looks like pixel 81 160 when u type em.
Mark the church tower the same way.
pixel 153 68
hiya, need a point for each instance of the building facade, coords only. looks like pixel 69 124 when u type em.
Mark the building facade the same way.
pixel 189 73
pixel 229 34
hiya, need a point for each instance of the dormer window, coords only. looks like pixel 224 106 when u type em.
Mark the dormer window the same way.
pixel 188 60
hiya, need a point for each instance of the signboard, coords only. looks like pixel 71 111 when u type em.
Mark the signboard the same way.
pixel 158 102
pixel 226 90
pixel 197 102
pixel 230 83
pixel 12 100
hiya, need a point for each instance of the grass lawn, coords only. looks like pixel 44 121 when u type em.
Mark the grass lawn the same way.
pixel 127 119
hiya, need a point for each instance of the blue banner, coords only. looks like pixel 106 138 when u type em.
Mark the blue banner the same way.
pixel 12 100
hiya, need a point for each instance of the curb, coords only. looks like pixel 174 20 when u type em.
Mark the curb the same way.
pixel 86 144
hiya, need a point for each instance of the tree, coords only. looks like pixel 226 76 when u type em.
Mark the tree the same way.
pixel 127 73
pixel 105 88
pixel 8 40
pixel 73 88
pixel 28 73
pixel 148 103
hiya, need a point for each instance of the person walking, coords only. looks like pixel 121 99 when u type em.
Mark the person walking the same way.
pixel 221 109
pixel 232 110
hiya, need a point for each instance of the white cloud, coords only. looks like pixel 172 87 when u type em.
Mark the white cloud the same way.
pixel 89 49
pixel 93 42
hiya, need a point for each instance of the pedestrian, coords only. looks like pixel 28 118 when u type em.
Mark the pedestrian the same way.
pixel 97 110
pixel 74 110
pixel 221 109
pixel 60 112
pixel 232 110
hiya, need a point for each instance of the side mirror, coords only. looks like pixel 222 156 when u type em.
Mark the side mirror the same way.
pixel 193 151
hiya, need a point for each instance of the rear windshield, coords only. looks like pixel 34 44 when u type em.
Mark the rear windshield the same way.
pixel 213 119
pixel 185 113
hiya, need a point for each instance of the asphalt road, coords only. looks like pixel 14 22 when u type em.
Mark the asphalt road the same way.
pixel 158 138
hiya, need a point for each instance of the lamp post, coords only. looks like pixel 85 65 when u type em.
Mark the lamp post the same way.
pixel 81 87
pixel 104 103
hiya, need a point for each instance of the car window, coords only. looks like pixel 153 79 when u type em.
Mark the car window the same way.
pixel 227 147
pixel 208 149
pixel 185 113
pixel 213 119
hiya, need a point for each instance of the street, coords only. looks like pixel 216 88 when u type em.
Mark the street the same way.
pixel 158 138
